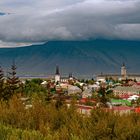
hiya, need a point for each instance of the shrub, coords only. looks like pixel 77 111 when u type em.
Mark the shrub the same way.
pixel 45 122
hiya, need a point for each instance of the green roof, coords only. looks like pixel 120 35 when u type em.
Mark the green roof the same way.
pixel 121 101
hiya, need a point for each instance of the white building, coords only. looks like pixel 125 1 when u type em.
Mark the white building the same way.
pixel 57 75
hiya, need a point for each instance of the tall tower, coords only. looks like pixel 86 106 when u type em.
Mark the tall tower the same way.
pixel 70 76
pixel 57 75
pixel 123 71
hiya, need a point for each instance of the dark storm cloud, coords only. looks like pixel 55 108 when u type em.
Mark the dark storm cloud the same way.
pixel 39 21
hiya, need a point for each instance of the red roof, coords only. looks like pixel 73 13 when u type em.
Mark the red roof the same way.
pixel 122 108
pixel 84 100
pixel 124 96
pixel 84 107
pixel 137 110
pixel 138 83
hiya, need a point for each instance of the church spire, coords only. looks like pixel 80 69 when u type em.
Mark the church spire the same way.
pixel 57 70
pixel 123 64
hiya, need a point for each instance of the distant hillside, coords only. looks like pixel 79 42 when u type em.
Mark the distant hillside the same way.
pixel 83 58
pixel 1 14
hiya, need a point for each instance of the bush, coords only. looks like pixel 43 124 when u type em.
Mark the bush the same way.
pixel 45 122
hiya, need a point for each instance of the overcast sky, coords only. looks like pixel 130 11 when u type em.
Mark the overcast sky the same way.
pixel 32 21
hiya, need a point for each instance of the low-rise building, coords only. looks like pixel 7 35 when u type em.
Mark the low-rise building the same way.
pixel 125 90
pixel 73 90
pixel 87 93
pixel 122 76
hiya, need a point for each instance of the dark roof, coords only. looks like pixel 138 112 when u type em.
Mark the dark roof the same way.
pixel 123 65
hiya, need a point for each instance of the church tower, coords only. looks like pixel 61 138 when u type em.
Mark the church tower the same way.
pixel 57 75
pixel 123 71
pixel 70 76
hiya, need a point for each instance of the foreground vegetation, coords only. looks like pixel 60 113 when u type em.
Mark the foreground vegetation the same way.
pixel 49 119
pixel 45 121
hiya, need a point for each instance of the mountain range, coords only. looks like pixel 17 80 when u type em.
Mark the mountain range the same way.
pixel 82 58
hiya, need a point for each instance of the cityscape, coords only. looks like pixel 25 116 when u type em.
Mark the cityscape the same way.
pixel 70 70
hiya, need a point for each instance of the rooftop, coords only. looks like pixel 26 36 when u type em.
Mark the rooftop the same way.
pixel 126 89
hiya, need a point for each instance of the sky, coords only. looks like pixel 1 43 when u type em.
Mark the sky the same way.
pixel 27 22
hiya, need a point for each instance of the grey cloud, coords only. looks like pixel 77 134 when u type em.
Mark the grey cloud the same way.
pixel 38 21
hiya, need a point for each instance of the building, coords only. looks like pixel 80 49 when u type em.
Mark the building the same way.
pixel 87 93
pixel 72 90
pixel 57 75
pixel 123 72
pixel 126 90
pixel 122 76
pixel 85 110
pixel 122 109
pixel 59 79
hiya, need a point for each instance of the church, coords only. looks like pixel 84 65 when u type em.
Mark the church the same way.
pixel 59 79
pixel 122 76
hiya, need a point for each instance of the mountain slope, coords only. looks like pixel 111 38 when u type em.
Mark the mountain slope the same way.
pixel 84 58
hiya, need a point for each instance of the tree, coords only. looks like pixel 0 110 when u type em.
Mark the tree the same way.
pixel 1 83
pixel 102 96
pixel 37 81
pixel 138 101
pixel 13 80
